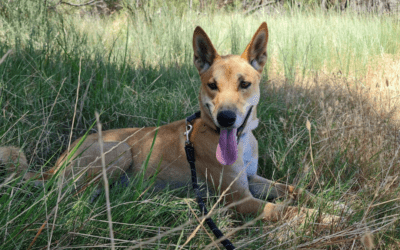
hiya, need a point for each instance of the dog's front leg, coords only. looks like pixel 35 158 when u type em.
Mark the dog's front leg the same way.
pixel 239 194
pixel 266 189
pixel 260 187
pixel 236 185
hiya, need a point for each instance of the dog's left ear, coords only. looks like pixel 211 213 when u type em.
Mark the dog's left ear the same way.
pixel 256 51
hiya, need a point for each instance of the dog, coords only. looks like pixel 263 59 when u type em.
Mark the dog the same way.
pixel 225 158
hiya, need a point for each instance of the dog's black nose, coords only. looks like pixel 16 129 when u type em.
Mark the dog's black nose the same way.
pixel 226 118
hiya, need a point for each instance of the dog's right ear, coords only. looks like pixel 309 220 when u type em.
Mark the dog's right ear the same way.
pixel 204 52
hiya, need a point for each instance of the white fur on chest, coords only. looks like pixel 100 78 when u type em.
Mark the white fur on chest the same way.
pixel 250 152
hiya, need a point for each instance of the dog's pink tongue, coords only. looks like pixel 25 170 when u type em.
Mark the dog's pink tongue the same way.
pixel 227 151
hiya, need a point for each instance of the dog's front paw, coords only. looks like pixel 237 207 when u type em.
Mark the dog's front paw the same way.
pixel 273 212
pixel 337 205
pixel 299 216
pixel 328 219
pixel 276 212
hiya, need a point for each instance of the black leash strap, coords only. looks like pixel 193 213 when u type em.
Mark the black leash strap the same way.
pixel 190 158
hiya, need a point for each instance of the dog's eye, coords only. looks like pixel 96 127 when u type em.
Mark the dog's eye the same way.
pixel 245 85
pixel 213 86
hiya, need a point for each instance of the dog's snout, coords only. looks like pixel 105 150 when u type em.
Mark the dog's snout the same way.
pixel 226 118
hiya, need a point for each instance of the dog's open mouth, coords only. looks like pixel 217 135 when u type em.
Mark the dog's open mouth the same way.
pixel 227 149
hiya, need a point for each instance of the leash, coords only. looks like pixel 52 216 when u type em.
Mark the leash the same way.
pixel 189 149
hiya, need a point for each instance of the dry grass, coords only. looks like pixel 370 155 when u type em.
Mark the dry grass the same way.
pixel 325 68
pixel 355 123
pixel 358 115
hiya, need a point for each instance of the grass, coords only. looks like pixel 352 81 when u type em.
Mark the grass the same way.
pixel 341 72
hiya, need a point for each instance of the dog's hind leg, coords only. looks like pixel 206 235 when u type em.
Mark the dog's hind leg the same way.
pixel 86 169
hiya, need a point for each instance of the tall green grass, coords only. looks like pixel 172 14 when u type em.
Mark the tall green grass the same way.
pixel 137 67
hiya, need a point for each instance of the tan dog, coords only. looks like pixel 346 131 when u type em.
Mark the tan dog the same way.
pixel 229 93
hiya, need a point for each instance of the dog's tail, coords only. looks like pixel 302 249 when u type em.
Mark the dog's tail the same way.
pixel 15 162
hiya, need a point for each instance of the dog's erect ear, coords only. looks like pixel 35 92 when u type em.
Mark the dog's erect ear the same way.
pixel 204 52
pixel 256 51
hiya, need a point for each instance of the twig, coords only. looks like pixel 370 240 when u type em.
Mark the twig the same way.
pixel 41 169
pixel 308 125
pixel 41 229
pixel 60 180
pixel 46 123
pixel 78 5
pixel 195 231
pixel 213 207
pixel 37 234
pixel 246 225
pixel 106 186
pixel 75 107
pixel 61 177
pixel 19 119
pixel 151 240
pixel 5 56
pixel 151 84
pixel 259 6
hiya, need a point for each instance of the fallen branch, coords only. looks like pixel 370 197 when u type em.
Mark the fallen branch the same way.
pixel 259 6
pixel 79 5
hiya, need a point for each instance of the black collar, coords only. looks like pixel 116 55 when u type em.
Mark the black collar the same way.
pixel 194 116
pixel 241 128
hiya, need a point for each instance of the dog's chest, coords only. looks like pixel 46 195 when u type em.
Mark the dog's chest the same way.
pixel 249 156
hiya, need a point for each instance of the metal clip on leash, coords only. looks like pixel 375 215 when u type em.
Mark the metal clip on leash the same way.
pixel 189 149
pixel 189 129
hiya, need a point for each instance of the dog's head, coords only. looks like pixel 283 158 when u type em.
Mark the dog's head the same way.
pixel 230 88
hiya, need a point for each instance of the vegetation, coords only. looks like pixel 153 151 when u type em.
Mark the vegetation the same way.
pixel 340 71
